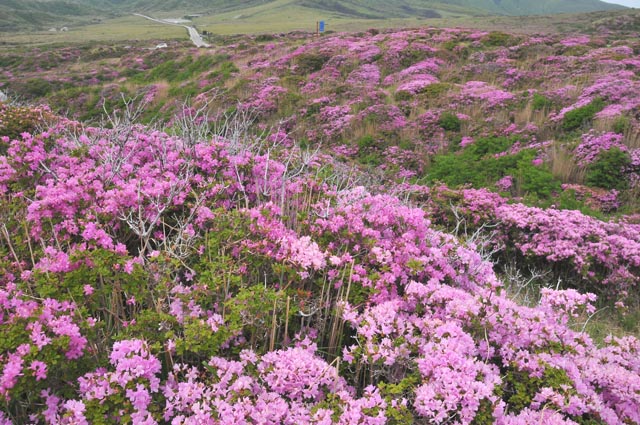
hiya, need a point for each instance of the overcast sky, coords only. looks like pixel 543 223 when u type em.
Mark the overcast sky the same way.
pixel 629 3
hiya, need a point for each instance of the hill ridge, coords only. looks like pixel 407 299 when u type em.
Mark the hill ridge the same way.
pixel 32 14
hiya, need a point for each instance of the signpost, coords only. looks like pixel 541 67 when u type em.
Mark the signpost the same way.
pixel 319 27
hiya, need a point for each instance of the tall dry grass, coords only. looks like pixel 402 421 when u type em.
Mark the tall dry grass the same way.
pixel 564 166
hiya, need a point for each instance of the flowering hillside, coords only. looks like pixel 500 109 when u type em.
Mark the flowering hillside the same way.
pixel 412 226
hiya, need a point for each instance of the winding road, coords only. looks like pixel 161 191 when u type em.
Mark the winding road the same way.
pixel 196 38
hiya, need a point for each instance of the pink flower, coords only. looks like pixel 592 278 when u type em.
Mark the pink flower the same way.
pixel 39 370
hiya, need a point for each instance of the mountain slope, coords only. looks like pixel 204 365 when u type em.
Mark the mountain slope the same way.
pixel 539 7
pixel 386 8
pixel 34 14
pixel 37 14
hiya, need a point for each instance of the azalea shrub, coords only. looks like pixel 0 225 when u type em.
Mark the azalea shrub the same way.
pixel 227 285
pixel 395 226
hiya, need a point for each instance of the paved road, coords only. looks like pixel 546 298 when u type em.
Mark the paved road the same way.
pixel 193 33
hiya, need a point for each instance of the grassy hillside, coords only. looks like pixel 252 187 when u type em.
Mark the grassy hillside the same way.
pixel 37 14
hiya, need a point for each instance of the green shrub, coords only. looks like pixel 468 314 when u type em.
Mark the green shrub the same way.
pixel 608 171
pixel 226 69
pixel 403 96
pixel 292 81
pixel 539 102
pixel 449 121
pixel 489 145
pixel 535 180
pixel 435 90
pixel 408 57
pixel 450 45
pixel 265 37
pixel 289 104
pixel 366 142
pixel 567 200
pixel 478 166
pixel 576 51
pixel 37 87
pixel 369 152
pixel 310 62
pixel 521 388
pixel 372 158
pixel 406 145
pixel 578 117
pixel 499 39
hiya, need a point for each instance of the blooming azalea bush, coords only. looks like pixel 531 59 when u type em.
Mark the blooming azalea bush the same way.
pixel 579 249
pixel 227 285
pixel 283 249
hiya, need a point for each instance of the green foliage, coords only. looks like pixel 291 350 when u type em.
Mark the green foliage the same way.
pixel 450 45
pixel 103 270
pixel 406 145
pixel 154 327
pixel 520 387
pixel 201 341
pixel 484 416
pixel 367 142
pixel 499 39
pixel 369 152
pixel 579 117
pixel 449 121
pixel 187 68
pixel 630 321
pixel 567 200
pixel 225 70
pixel 479 166
pixel 293 82
pixel 37 87
pixel 396 391
pixel 307 63
pixel 403 96
pixel 187 90
pixel 255 310
pixel 488 146
pixel 608 171
pixel 372 158
pixel 216 268
pixel 576 51
pixel 410 56
pixel 435 90
pixel 331 402
pixel 535 180
pixel 539 102
pixel 264 37
pixel 289 103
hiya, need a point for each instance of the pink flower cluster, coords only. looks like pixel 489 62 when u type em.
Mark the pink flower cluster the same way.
pixel 592 144
pixel 479 90
pixel 44 325
pixel 604 255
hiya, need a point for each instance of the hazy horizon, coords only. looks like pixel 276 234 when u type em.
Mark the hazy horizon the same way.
pixel 628 3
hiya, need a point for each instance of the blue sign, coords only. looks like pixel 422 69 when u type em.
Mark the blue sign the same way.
pixel 321 26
